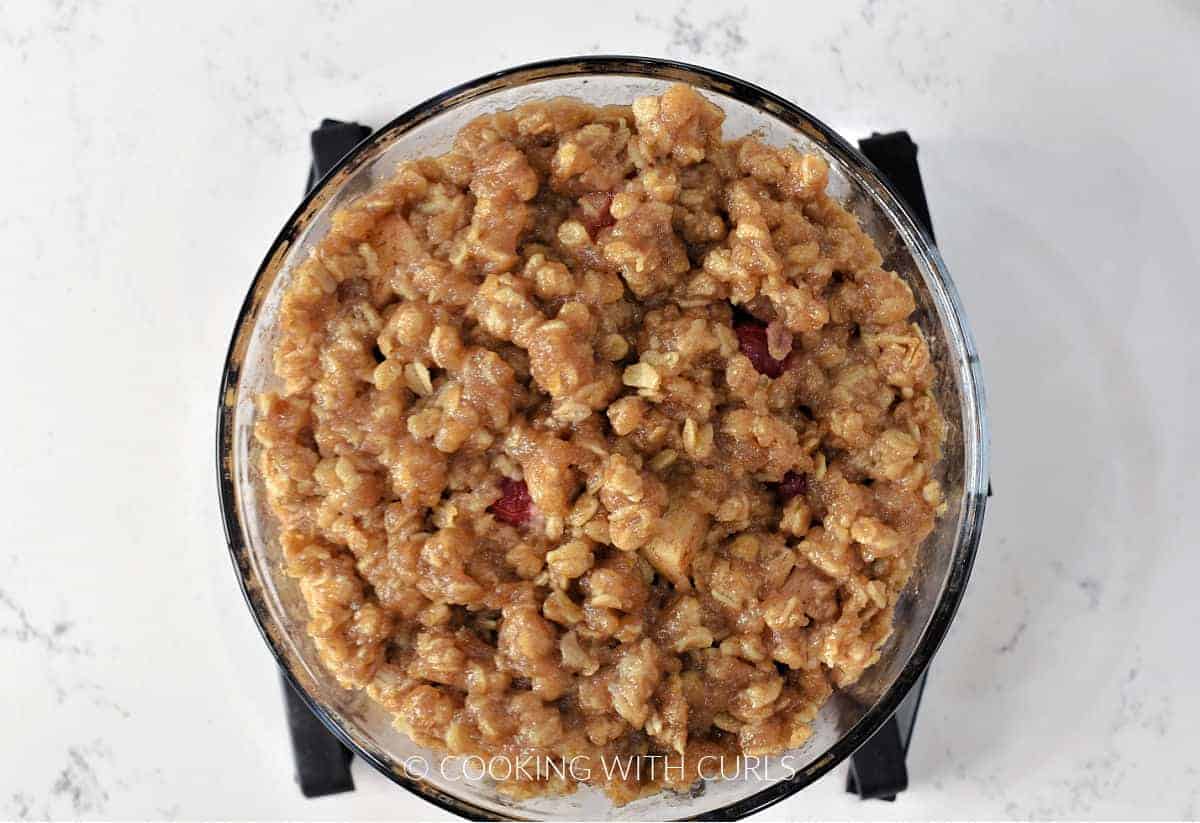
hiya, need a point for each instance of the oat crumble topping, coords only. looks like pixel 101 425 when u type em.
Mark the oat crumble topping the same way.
pixel 601 435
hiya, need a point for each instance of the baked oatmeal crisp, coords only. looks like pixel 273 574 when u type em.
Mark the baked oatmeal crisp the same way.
pixel 601 436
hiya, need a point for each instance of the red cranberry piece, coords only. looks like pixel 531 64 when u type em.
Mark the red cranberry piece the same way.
pixel 515 506
pixel 593 212
pixel 792 485
pixel 752 339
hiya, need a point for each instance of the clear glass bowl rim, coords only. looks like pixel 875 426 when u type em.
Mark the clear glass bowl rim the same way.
pixel 975 439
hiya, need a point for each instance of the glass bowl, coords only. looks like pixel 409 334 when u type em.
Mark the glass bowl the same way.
pixel 927 606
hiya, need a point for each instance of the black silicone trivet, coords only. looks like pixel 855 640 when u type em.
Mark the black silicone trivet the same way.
pixel 877 769
pixel 322 762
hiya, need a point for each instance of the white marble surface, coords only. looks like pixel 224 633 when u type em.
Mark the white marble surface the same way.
pixel 153 149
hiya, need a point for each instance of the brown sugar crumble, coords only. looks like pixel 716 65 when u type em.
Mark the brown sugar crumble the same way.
pixel 600 435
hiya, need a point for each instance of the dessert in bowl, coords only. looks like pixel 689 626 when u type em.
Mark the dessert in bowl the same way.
pixel 589 427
